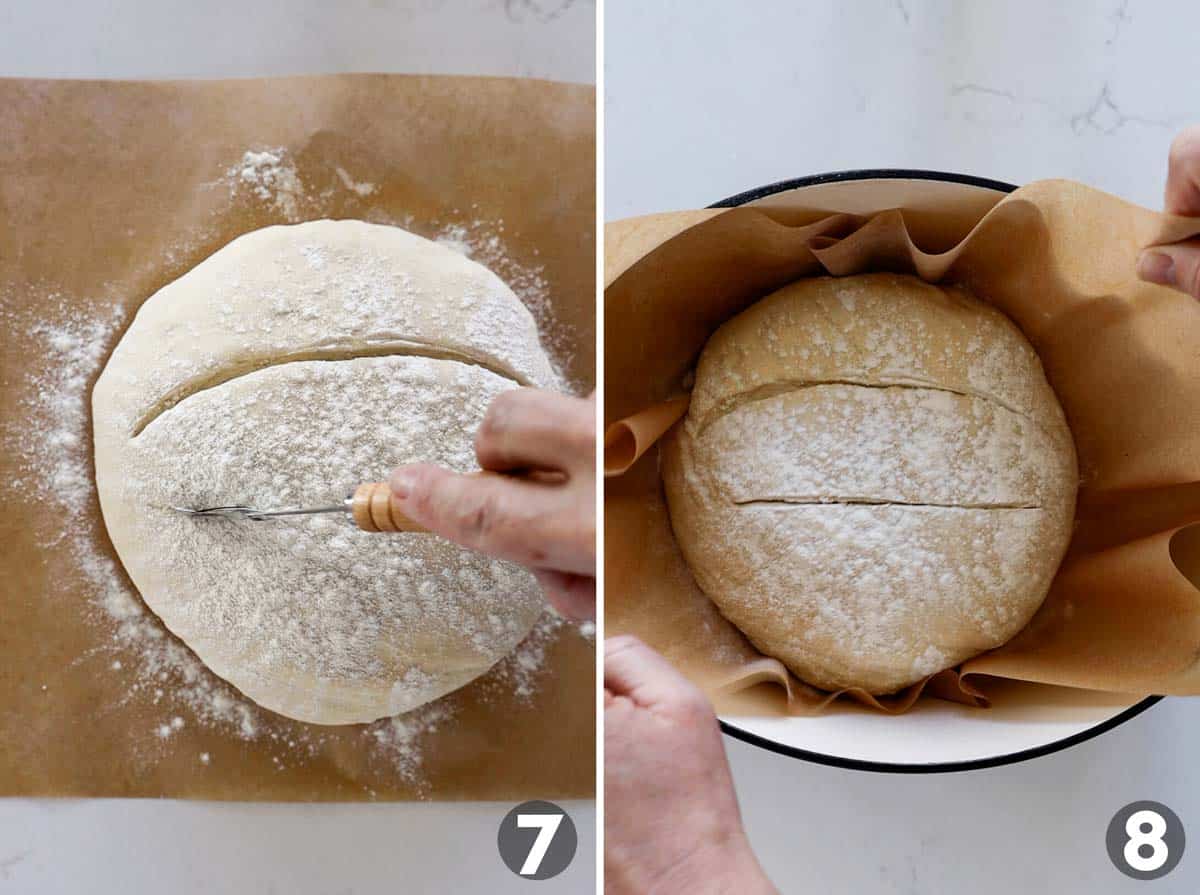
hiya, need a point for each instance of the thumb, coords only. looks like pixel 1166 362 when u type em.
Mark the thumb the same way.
pixel 1176 265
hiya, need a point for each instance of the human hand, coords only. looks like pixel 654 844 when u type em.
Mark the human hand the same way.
pixel 671 817
pixel 1178 265
pixel 542 513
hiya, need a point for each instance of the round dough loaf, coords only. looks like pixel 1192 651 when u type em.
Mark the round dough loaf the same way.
pixel 874 480
pixel 285 369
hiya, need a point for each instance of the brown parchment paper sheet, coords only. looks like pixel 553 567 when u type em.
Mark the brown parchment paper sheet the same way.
pixel 109 190
pixel 1122 355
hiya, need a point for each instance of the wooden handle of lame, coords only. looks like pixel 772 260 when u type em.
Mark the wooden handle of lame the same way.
pixel 375 510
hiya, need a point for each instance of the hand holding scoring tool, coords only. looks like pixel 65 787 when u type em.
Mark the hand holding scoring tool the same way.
pixel 540 513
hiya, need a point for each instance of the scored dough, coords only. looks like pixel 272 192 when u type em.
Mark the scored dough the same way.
pixel 290 366
pixel 874 480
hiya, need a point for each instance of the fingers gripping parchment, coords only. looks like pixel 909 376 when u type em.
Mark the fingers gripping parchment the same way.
pixel 1178 264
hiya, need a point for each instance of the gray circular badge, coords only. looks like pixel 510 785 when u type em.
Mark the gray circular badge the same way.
pixel 537 840
pixel 1145 840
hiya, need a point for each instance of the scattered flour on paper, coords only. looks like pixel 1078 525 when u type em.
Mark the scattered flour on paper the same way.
pixel 402 738
pixel 270 175
pixel 52 442
pixel 55 462
pixel 362 188
pixel 521 671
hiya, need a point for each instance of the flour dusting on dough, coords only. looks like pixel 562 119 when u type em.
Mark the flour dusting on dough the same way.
pixel 483 241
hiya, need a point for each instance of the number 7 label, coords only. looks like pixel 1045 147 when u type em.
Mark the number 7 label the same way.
pixel 547 825
pixel 551 850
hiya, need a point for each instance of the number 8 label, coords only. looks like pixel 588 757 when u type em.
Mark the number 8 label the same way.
pixel 1153 837
pixel 1145 840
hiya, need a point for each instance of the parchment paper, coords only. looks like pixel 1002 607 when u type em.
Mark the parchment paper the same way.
pixel 1122 355
pixel 109 190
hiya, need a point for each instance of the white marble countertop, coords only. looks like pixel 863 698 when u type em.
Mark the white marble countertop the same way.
pixel 63 847
pixel 701 103
pixel 704 99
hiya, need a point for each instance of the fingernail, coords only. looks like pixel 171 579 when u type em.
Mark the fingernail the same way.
pixel 1157 267
pixel 402 482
